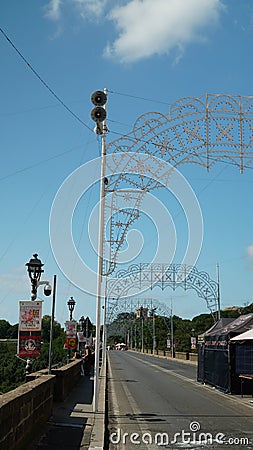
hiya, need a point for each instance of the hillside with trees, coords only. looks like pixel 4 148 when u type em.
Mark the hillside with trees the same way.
pixel 12 368
pixel 125 328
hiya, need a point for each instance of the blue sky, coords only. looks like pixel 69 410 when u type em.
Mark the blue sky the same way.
pixel 148 54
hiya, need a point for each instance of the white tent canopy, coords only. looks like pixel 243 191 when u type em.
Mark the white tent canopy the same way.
pixel 247 335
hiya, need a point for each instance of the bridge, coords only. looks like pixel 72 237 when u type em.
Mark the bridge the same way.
pixel 202 131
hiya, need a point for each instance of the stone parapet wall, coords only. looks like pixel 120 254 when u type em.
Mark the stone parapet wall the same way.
pixel 66 378
pixel 23 410
pixel 183 356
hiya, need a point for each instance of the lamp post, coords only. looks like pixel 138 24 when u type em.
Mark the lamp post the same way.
pixel 82 325
pixel 82 322
pixel 34 269
pixel 71 305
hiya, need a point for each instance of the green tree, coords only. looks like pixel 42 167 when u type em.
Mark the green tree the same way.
pixel 5 329
pixel 12 368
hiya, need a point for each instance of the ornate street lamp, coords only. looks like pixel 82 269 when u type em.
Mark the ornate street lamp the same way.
pixel 71 305
pixel 82 322
pixel 34 269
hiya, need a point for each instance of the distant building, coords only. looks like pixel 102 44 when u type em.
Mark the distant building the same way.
pixel 233 308
pixel 141 312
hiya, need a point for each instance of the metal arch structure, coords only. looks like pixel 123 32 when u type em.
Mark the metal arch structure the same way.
pixel 203 131
pixel 144 276
pixel 131 304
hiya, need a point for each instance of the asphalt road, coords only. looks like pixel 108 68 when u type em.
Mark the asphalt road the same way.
pixel 155 403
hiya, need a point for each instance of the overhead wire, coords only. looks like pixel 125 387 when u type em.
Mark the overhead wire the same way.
pixel 31 166
pixel 43 81
pixel 138 97
pixel 111 91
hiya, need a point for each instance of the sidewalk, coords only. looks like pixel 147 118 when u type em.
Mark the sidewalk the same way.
pixel 72 421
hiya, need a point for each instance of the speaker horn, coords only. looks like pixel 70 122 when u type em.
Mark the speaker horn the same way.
pixel 99 98
pixel 98 114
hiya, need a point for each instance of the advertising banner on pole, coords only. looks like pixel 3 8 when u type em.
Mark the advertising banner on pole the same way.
pixel 193 343
pixel 29 331
pixel 30 315
pixel 71 327
pixel 29 344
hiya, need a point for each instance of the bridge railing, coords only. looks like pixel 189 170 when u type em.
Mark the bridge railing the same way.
pixel 184 356
pixel 25 409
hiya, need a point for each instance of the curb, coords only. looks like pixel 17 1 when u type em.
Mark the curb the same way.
pixel 98 428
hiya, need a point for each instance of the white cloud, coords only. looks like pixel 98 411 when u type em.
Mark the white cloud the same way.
pixel 86 8
pixel 91 7
pixel 249 251
pixel 149 27
pixel 146 27
pixel 53 9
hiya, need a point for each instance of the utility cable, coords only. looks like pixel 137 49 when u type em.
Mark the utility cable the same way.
pixel 43 82
pixel 78 118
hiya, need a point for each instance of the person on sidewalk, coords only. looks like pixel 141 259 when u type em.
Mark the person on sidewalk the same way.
pixel 87 360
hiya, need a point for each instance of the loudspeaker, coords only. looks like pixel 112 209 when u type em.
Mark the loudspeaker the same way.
pixel 98 114
pixel 99 98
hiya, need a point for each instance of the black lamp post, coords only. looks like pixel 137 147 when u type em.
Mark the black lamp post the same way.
pixel 34 269
pixel 71 305
pixel 82 322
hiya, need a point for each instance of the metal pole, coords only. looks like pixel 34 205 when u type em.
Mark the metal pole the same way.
pixel 52 328
pixel 218 281
pixel 171 330
pixel 104 336
pixel 100 264
pixel 154 338
pixel 142 343
pixel 105 325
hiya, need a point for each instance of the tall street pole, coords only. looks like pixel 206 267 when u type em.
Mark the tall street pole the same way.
pixel 171 329
pixel 52 328
pixel 100 263
pixel 218 282
pixel 154 336
pixel 142 338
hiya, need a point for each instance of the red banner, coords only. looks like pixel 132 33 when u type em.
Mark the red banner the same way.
pixel 29 344
pixel 71 342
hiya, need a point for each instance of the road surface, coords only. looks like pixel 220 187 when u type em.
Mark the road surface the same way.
pixel 157 403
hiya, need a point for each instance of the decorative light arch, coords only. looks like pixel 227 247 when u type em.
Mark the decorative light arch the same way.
pixel 203 131
pixel 130 305
pixel 139 277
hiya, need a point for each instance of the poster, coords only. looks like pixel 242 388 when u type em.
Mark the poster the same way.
pixel 29 330
pixel 71 327
pixel 29 344
pixel 71 342
pixel 30 315
pixel 193 343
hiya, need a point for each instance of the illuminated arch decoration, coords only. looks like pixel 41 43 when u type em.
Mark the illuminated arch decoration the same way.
pixel 203 131
pixel 131 304
pixel 142 276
